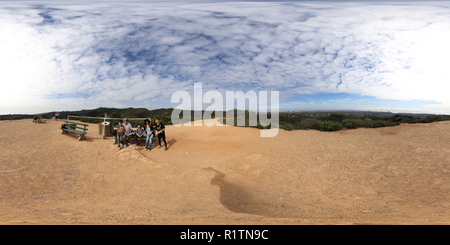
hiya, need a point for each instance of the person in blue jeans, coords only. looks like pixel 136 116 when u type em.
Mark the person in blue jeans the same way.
pixel 149 132
pixel 120 132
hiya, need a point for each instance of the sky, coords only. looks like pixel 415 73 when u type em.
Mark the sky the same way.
pixel 321 55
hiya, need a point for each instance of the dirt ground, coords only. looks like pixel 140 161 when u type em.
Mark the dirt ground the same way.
pixel 226 175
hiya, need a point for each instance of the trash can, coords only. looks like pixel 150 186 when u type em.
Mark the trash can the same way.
pixel 106 129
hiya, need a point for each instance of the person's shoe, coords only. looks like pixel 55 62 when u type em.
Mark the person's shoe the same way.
pixel 166 148
pixel 119 148
pixel 159 146
pixel 129 144
pixel 124 146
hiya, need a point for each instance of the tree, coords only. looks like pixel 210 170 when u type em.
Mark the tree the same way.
pixel 115 114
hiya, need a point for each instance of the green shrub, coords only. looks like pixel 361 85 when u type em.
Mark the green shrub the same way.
pixel 306 123
pixel 288 127
pixel 15 118
pixel 433 118
pixel 369 123
pixel 351 123
pixel 377 124
pixel 332 126
pixel 318 125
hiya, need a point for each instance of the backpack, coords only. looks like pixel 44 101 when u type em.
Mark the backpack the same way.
pixel 63 126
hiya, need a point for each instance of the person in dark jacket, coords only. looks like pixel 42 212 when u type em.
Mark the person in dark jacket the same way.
pixel 160 131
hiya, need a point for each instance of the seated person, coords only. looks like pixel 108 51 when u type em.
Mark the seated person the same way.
pixel 128 131
pixel 139 134
pixel 36 118
pixel 120 133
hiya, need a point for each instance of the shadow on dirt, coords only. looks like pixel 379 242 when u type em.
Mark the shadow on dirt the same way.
pixel 239 200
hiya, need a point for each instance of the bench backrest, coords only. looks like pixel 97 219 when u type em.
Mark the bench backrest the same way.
pixel 69 122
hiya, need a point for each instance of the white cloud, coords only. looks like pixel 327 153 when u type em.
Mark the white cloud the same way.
pixel 75 56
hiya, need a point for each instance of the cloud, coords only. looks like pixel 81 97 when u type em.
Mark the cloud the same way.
pixel 74 56
pixel 339 101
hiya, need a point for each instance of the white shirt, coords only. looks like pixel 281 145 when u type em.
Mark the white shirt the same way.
pixel 127 127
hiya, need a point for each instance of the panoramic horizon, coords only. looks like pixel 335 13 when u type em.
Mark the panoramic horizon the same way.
pixel 325 55
pixel 224 111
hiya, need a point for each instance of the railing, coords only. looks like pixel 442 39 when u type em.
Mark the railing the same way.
pixel 129 118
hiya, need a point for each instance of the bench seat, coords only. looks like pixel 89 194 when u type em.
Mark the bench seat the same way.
pixel 73 126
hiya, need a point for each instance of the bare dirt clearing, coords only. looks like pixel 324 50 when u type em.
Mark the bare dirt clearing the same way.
pixel 226 175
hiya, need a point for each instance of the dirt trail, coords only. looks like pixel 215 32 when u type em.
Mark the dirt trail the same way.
pixel 226 175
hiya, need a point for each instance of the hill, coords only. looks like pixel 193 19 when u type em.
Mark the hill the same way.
pixel 319 120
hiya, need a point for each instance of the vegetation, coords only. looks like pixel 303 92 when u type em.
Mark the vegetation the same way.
pixel 318 120
pixel 332 121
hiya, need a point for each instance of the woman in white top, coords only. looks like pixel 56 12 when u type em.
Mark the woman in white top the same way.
pixel 149 132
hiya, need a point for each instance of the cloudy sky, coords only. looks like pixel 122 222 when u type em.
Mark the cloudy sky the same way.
pixel 62 55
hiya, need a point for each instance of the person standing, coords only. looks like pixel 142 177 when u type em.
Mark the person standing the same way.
pixel 56 116
pixel 149 132
pixel 160 131
pixel 128 129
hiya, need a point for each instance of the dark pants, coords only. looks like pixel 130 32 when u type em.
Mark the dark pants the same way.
pixel 138 139
pixel 126 139
pixel 163 136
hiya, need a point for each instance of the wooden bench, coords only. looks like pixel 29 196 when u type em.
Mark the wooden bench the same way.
pixel 73 126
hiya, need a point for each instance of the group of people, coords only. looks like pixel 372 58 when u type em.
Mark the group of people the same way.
pixel 37 118
pixel 148 131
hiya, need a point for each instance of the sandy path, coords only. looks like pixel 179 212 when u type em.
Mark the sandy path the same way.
pixel 225 175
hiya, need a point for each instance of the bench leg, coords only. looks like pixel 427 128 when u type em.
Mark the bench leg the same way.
pixel 62 131
pixel 79 138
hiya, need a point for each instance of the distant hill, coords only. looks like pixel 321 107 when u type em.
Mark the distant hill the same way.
pixel 320 120
pixel 98 112
pixel 164 114
pixel 119 113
